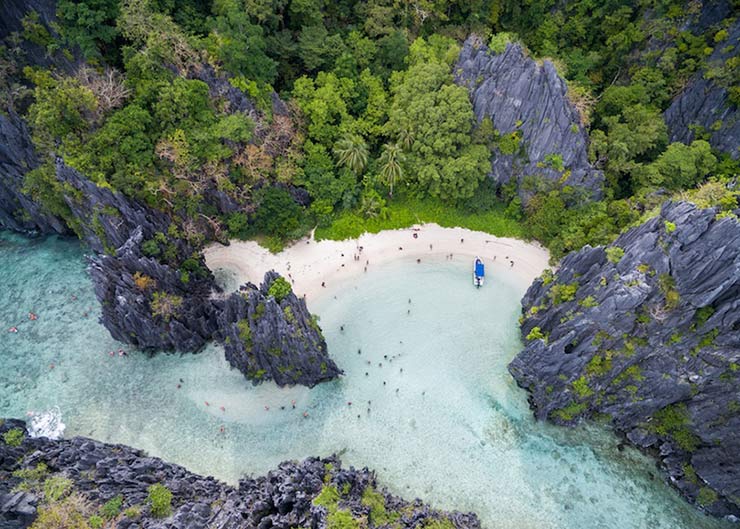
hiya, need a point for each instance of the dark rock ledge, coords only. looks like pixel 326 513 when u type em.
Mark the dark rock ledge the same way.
pixel 645 335
pixel 315 493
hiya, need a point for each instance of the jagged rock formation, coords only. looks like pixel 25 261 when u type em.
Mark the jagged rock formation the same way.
pixel 705 103
pixel 146 303
pixel 284 498
pixel 646 334
pixel 530 100
pixel 17 156
pixel 105 219
pixel 12 13
pixel 268 335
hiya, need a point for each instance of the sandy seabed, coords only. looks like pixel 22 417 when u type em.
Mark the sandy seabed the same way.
pixel 309 263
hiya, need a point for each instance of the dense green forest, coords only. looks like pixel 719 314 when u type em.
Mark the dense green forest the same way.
pixel 374 128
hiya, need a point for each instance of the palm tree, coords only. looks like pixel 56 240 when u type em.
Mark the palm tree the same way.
pixel 390 164
pixel 351 152
pixel 406 136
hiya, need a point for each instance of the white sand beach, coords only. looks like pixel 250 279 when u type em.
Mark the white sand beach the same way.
pixel 309 263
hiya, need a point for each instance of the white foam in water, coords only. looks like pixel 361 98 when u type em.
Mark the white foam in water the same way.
pixel 46 424
pixel 458 433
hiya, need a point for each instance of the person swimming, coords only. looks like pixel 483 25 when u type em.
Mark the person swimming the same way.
pixel 32 316
pixel 13 329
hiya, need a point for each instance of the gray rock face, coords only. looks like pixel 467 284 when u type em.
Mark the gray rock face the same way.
pixel 520 95
pixel 17 156
pixel 106 219
pixel 282 499
pixel 650 341
pixel 127 304
pixel 12 13
pixel 705 103
pixel 266 338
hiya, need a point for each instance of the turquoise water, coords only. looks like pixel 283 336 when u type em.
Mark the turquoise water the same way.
pixel 457 433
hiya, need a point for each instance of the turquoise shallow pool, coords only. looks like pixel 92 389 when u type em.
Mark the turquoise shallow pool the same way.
pixel 449 425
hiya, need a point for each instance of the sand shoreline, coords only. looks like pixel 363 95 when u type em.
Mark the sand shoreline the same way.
pixel 309 263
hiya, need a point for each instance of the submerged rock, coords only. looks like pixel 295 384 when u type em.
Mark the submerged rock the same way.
pixel 705 104
pixel 269 334
pixel 645 334
pixel 529 101
pixel 315 493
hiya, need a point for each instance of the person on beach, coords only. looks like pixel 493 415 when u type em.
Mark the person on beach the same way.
pixel 416 235
pixel 323 284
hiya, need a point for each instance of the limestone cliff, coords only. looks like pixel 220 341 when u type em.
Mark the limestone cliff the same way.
pixel 529 102
pixel 17 156
pixel 705 102
pixel 645 335
pixel 314 493
pixel 269 334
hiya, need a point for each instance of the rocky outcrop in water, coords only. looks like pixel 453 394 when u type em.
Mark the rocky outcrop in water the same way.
pixel 645 334
pixel 315 493
pixel 705 102
pixel 17 156
pixel 528 103
pixel 149 304
pixel 268 333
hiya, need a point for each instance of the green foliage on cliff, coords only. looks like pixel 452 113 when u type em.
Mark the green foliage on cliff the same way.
pixel 13 437
pixel 279 289
pixel 674 422
pixel 160 500
pixel 379 515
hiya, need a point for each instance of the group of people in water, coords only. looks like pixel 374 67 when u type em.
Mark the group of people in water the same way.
pixel 32 316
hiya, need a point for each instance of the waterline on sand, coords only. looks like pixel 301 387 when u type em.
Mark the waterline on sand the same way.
pixel 309 264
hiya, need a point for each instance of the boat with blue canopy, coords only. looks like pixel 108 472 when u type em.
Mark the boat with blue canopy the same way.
pixel 479 272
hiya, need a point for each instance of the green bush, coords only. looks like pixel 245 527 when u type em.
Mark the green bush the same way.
pixel 560 292
pixel 706 496
pixel 674 422
pixel 580 386
pixel 14 437
pixel 112 507
pixel 279 289
pixel 614 254
pixel 160 500
pixel 55 487
pixel 379 515
pixel 536 334
pixel 95 522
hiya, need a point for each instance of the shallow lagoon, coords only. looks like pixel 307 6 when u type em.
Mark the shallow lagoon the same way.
pixel 457 433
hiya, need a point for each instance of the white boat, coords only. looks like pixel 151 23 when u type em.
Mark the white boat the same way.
pixel 479 272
